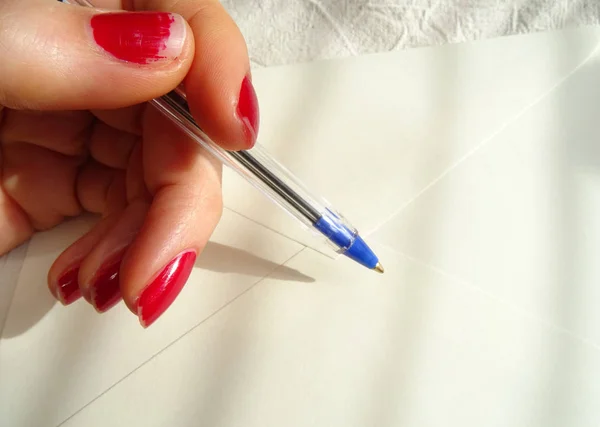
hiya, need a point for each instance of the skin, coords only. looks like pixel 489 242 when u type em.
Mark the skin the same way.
pixel 69 145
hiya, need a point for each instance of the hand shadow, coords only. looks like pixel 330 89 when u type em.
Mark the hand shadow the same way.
pixel 32 301
pixel 225 259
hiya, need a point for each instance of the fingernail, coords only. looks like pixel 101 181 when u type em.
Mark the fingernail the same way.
pixel 105 290
pixel 67 289
pixel 140 37
pixel 162 291
pixel 247 110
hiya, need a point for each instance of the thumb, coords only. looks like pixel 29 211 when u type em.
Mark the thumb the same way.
pixel 55 56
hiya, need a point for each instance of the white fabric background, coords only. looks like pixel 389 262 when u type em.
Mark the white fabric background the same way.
pixel 287 31
pixel 282 32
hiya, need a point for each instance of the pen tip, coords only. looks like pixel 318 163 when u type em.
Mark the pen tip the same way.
pixel 379 268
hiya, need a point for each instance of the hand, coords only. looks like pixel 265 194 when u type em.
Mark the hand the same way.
pixel 76 135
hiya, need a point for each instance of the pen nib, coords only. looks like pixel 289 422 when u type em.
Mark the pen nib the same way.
pixel 379 268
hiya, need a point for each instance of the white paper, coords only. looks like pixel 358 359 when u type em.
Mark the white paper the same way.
pixel 55 359
pixel 520 218
pixel 480 193
pixel 412 348
pixel 370 133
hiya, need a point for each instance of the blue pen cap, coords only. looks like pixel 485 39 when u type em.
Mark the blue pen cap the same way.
pixel 345 238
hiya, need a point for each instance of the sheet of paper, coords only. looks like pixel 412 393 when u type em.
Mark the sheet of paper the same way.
pixel 411 348
pixel 370 133
pixel 55 359
pixel 520 218
pixel 474 320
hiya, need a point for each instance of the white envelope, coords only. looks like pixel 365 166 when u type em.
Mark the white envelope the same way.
pixel 477 180
pixel 370 133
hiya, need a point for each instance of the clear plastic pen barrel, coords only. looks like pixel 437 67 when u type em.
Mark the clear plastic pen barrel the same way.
pixel 276 182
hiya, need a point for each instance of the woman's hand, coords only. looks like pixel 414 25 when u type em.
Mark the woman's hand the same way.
pixel 76 135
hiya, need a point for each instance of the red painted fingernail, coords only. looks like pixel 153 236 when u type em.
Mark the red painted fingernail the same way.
pixel 105 290
pixel 247 110
pixel 67 289
pixel 162 291
pixel 140 37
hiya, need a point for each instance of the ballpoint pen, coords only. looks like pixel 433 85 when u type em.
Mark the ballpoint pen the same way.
pixel 273 180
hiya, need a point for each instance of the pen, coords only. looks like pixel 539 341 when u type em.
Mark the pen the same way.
pixel 273 180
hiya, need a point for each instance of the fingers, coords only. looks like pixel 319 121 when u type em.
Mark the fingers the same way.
pixel 110 146
pixel 63 57
pixel 101 189
pixel 146 255
pixel 127 119
pixel 186 207
pixel 15 227
pixel 63 276
pixel 99 274
pixel 90 266
pixel 145 252
pixel 40 181
pixel 39 158
pixel 219 86
pixel 64 132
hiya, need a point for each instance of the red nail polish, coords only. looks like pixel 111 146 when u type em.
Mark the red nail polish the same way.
pixel 247 110
pixel 140 37
pixel 163 290
pixel 105 289
pixel 67 288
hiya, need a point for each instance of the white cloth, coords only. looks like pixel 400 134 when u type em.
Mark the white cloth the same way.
pixel 289 31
